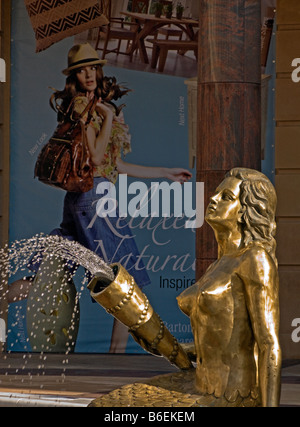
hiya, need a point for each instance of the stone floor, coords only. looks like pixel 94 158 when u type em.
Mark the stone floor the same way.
pixel 75 380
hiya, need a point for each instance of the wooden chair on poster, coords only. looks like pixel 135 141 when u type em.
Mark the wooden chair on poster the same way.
pixel 161 49
pixel 115 30
pixel 169 31
pixel 140 6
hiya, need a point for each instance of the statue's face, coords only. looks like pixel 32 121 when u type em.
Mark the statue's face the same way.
pixel 225 206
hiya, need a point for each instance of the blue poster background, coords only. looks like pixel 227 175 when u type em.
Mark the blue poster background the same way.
pixel 157 114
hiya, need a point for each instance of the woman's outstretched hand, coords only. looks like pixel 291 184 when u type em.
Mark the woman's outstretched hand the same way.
pixel 178 175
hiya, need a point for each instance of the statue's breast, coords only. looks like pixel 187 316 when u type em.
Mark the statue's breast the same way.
pixel 216 296
pixel 219 288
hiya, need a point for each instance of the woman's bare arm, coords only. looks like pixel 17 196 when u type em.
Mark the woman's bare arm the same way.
pixel 138 171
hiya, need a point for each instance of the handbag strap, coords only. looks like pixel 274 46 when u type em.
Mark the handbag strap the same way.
pixel 90 108
pixel 85 145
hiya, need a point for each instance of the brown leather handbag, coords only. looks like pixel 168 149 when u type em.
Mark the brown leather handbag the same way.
pixel 64 162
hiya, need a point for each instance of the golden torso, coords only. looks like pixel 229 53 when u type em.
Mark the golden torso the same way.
pixel 222 330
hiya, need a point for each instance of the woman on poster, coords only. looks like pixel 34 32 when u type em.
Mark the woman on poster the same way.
pixel 108 138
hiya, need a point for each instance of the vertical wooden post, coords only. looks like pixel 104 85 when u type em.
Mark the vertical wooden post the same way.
pixel 229 106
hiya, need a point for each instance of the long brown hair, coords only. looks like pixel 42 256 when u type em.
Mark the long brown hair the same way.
pixel 107 89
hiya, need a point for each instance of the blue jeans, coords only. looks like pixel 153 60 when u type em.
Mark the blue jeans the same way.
pixel 111 237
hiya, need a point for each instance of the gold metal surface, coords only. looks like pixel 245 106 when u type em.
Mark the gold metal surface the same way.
pixel 127 303
pixel 233 308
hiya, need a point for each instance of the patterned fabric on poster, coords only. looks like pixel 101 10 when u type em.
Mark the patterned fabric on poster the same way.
pixel 54 20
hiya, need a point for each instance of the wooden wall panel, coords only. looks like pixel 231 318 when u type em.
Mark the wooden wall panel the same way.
pixel 5 6
pixel 288 147
pixel 289 292
pixel 288 43
pixel 288 243
pixel 287 100
pixel 288 12
pixel 288 172
pixel 287 186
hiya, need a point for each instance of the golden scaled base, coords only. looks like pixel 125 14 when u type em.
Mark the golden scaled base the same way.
pixel 167 391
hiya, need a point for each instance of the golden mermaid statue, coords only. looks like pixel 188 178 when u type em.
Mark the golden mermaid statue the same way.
pixel 233 309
